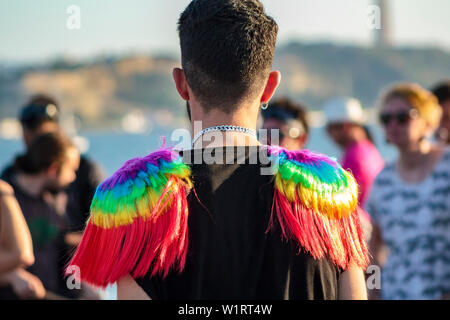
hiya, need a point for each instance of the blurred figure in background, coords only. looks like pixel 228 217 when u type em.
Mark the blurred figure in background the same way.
pixel 442 92
pixel 345 125
pixel 41 115
pixel 16 251
pixel 47 167
pixel 409 202
pixel 290 119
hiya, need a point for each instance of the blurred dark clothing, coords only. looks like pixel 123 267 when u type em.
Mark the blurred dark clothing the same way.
pixel 47 229
pixel 8 173
pixel 7 293
pixel 81 192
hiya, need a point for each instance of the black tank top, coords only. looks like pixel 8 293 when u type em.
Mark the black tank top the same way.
pixel 230 256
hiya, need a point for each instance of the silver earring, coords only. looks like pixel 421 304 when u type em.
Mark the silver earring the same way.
pixel 264 106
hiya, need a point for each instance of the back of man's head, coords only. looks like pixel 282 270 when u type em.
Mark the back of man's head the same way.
pixel 227 49
pixel 39 109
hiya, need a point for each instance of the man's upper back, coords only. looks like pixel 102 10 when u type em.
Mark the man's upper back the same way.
pixel 230 255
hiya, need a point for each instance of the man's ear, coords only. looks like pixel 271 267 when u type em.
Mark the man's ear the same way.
pixel 180 82
pixel 271 86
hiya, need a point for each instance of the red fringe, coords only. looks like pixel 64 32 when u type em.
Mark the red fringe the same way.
pixel 156 244
pixel 340 239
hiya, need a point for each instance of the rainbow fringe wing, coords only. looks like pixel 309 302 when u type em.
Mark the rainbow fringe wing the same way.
pixel 138 221
pixel 139 216
pixel 315 203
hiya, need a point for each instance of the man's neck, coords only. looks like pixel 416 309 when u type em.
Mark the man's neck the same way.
pixel 216 117
pixel 244 117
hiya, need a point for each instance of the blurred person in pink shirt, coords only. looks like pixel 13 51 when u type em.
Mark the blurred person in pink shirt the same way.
pixel 346 126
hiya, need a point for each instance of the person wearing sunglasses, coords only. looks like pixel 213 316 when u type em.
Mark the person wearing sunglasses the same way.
pixel 409 203
pixel 288 119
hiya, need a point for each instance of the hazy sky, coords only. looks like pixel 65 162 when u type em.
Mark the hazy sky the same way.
pixel 36 30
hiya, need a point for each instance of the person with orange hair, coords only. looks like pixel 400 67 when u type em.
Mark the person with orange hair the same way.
pixel 409 202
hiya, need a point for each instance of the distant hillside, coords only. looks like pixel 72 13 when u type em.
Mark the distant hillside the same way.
pixel 98 92
pixel 101 92
pixel 316 72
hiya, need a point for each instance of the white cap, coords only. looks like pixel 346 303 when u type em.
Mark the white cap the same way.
pixel 344 110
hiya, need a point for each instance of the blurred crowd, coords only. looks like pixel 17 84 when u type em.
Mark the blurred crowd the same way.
pixel 45 198
pixel 404 205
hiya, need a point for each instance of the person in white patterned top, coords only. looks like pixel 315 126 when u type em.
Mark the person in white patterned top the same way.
pixel 409 202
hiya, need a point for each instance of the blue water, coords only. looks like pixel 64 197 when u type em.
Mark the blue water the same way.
pixel 112 149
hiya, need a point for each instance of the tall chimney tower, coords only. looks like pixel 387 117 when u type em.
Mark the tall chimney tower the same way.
pixel 383 35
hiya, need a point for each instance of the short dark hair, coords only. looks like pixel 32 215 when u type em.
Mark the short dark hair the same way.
pixel 44 150
pixel 227 50
pixel 442 91
pixel 39 109
pixel 284 108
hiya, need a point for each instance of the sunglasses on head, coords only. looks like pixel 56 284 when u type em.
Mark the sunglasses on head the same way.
pixel 401 117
